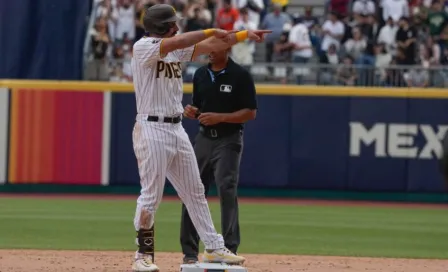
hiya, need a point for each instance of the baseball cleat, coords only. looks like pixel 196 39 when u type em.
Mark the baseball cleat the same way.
pixel 222 255
pixel 144 264
pixel 190 260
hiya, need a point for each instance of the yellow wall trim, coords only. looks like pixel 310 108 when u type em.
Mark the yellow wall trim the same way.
pixel 263 89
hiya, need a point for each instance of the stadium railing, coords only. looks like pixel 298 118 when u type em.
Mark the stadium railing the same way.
pixel 334 75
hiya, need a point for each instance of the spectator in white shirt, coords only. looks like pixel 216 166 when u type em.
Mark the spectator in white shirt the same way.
pixel 126 21
pixel 395 9
pixel 333 31
pixel 363 12
pixel 431 50
pixel 363 7
pixel 355 46
pixel 243 52
pixel 107 10
pixel 431 53
pixel 330 60
pixel 254 8
pixel 199 10
pixel 387 35
pixel 382 61
pixel 102 9
pixel 312 22
pixel 299 36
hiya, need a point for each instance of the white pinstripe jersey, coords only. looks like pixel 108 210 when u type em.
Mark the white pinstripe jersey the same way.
pixel 157 80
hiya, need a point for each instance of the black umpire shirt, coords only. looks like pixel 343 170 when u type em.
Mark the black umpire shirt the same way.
pixel 225 91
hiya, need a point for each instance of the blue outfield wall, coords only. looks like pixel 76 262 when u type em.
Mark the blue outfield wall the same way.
pixel 320 143
pixel 43 39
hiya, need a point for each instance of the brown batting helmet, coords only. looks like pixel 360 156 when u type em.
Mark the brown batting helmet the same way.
pixel 159 19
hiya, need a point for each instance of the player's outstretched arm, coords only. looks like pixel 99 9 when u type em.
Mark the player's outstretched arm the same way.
pixel 221 43
pixel 188 39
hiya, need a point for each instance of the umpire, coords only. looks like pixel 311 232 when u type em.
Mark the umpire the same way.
pixel 224 98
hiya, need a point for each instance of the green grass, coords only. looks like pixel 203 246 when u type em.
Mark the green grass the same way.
pixel 266 228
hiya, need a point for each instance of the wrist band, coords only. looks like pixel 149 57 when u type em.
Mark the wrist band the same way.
pixel 241 35
pixel 209 32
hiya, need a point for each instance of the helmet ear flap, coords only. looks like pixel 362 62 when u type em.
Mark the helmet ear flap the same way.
pixel 166 27
pixel 160 28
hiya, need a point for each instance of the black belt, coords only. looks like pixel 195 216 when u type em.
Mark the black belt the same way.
pixel 217 133
pixel 173 120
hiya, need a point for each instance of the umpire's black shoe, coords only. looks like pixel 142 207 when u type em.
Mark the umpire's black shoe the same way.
pixel 190 260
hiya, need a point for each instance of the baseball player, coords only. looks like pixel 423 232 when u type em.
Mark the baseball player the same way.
pixel 161 145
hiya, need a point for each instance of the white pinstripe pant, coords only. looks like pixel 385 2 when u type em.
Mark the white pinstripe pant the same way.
pixel 164 150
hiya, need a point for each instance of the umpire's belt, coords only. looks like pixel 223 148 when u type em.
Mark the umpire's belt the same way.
pixel 216 133
pixel 173 120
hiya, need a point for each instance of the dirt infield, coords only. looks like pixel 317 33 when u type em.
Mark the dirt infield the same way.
pixel 83 261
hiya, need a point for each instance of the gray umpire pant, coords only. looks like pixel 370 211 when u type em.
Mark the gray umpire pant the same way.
pixel 219 159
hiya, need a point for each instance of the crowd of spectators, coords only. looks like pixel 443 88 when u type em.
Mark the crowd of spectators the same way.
pixel 380 39
pixel 357 42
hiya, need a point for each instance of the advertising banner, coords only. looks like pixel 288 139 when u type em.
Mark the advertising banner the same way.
pixel 351 143
pixel 55 137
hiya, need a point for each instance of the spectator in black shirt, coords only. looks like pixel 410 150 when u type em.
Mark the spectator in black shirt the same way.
pixel 444 72
pixel 348 29
pixel 371 29
pixel 139 28
pixel 211 5
pixel 196 22
pixel 309 19
pixel 283 48
pixel 400 57
pixel 394 75
pixel 97 67
pixel 444 58
pixel 443 38
pixel 100 40
pixel 330 60
pixel 346 75
pixel 406 40
pixel 312 22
